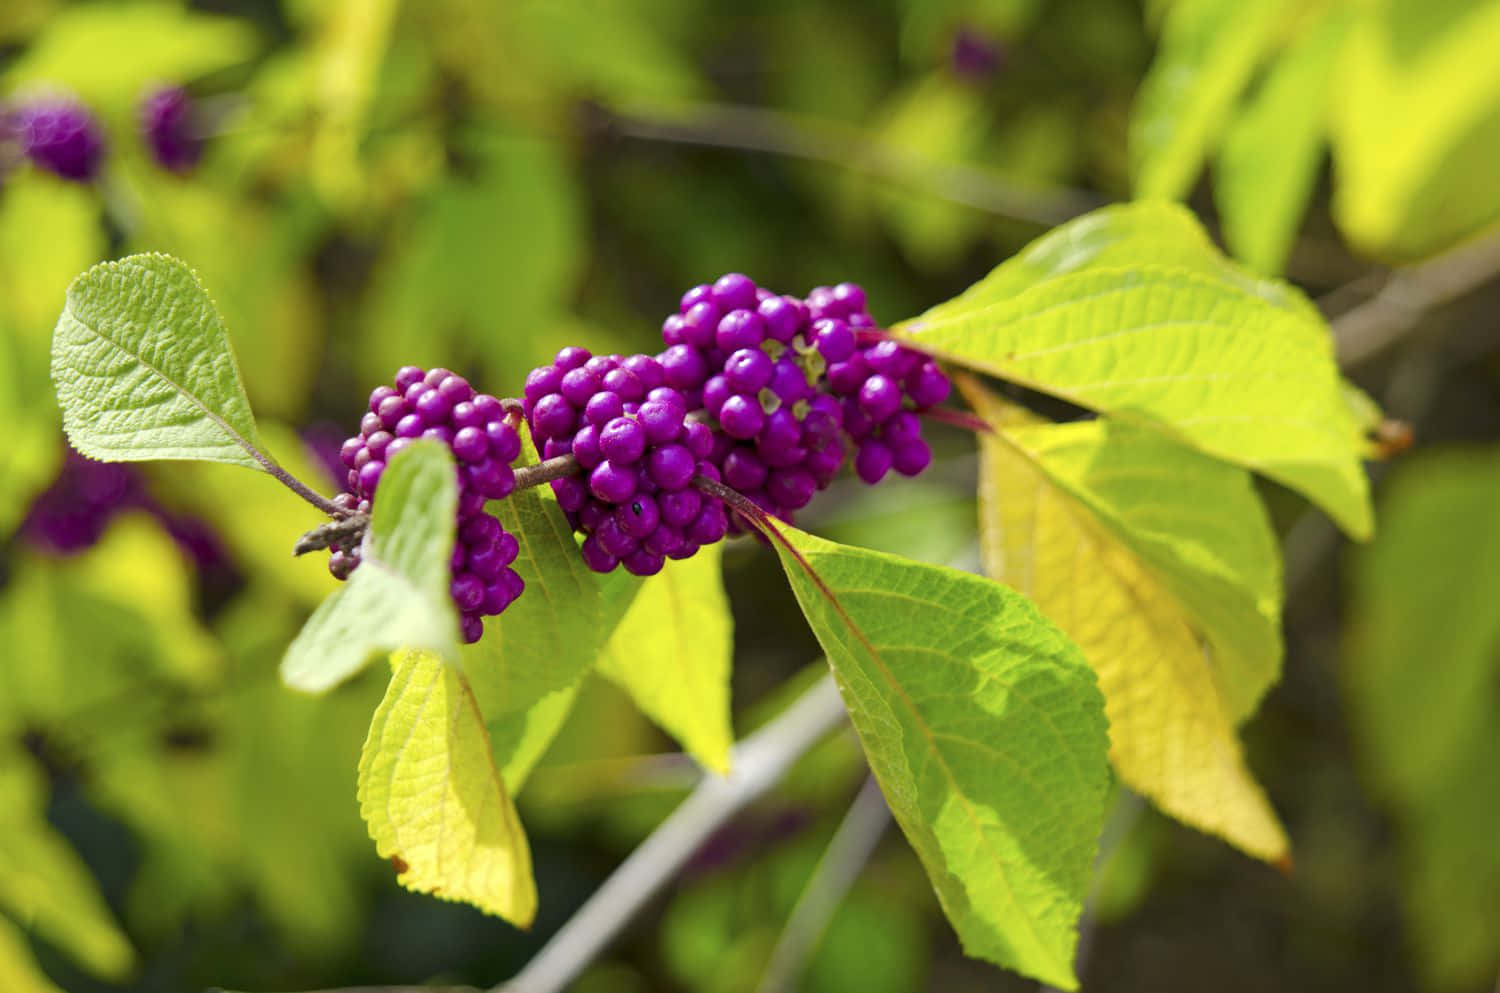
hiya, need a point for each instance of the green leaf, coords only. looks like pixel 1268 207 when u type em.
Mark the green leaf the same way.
pixel 45 886
pixel 144 370
pixel 1209 49
pixel 986 731
pixel 433 798
pixel 19 972
pixel 499 245
pixel 1422 669
pixel 526 669
pixel 1417 117
pixel 1269 160
pixel 109 53
pixel 672 651
pixel 1161 565
pixel 398 597
pixel 1237 367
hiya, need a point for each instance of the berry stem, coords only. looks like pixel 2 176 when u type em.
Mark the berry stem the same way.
pixel 296 485
pixel 959 418
pixel 545 472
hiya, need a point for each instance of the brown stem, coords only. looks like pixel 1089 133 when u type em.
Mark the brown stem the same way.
pixel 545 472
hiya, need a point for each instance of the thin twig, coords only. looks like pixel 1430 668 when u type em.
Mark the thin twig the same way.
pixel 758 763
pixel 1410 294
pixel 757 129
pixel 848 851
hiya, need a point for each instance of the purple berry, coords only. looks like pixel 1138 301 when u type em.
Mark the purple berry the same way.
pixel 643 563
pixel 553 417
pixel 872 461
pixel 834 339
pixel 748 370
pixel 928 386
pixel 671 466
pixel 639 517
pixel 741 417
pixel 470 444
pixel 571 358
pixel 734 291
pixel 783 317
pixel 622 441
pixel 612 483
pixel 879 397
pixel 911 457
pixel 740 329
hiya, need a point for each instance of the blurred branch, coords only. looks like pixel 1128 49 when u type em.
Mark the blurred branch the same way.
pixel 755 129
pixel 851 847
pixel 759 762
pixel 1410 294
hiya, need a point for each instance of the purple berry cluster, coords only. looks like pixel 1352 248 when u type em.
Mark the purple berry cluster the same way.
pixel 627 425
pixel 789 382
pixel 170 130
pixel 442 406
pixel 61 135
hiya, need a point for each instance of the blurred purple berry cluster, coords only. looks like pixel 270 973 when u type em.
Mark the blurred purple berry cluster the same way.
pixel 62 135
pixel 442 406
pixel 169 125
pixel 627 425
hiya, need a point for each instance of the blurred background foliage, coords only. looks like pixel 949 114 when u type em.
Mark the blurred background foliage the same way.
pixel 474 183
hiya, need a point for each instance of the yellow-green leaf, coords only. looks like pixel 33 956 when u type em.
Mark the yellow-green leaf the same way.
pixel 672 650
pixel 1422 668
pixel 526 669
pixel 433 798
pixel 1268 162
pixel 398 597
pixel 1416 119
pixel 19 972
pixel 1161 565
pixel 45 886
pixel 1209 49
pixel 1131 312
pixel 986 730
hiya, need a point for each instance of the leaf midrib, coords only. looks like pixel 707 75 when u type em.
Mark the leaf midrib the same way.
pixel 948 774
pixel 223 425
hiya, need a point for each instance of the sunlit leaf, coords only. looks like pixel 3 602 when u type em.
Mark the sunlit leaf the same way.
pixel 986 731
pixel 44 885
pixel 144 370
pixel 1208 51
pixel 527 667
pixel 433 798
pixel 1161 565
pixel 1423 673
pixel 1416 126
pixel 483 267
pixel 398 596
pixel 353 42
pixel 672 650
pixel 19 972
pixel 1269 160
pixel 1129 311
pixel 109 53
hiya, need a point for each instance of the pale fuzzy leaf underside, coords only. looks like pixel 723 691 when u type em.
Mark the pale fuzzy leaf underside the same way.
pixel 433 799
pixel 398 597
pixel 1118 535
pixel 144 369
pixel 1237 367
pixel 986 731
pixel 672 652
